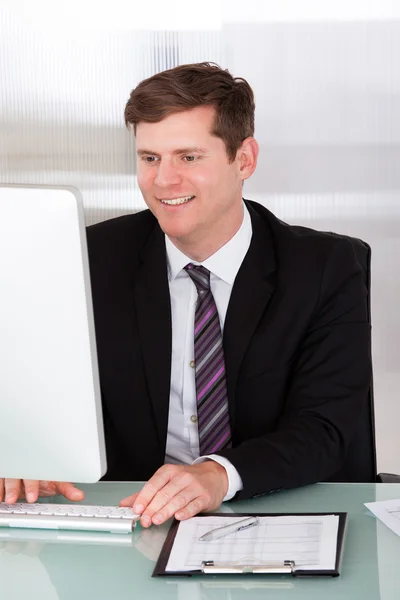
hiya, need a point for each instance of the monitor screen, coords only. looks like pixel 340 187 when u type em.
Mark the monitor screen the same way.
pixel 51 425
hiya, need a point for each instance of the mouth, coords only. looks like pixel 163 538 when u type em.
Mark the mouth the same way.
pixel 176 201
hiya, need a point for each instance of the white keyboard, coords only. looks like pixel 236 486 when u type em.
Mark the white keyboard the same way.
pixel 78 517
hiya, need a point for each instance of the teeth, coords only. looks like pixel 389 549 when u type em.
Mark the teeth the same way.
pixel 177 200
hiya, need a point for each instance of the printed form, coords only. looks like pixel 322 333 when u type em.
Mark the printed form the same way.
pixel 387 511
pixel 310 541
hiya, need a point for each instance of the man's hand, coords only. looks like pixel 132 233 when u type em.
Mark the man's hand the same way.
pixel 179 490
pixel 12 490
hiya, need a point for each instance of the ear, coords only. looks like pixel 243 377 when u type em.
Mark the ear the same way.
pixel 247 156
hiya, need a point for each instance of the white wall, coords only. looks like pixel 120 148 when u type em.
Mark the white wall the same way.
pixel 327 84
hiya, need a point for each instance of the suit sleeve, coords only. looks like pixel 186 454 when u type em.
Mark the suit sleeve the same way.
pixel 328 388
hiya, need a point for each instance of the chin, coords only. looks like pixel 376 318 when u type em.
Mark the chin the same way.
pixel 175 231
pixel 173 226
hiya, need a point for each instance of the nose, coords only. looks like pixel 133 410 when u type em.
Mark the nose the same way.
pixel 167 175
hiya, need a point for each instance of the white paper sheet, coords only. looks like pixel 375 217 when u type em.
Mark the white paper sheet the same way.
pixel 387 511
pixel 310 541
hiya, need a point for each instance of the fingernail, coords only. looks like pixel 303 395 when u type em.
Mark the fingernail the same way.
pixel 146 520
pixel 157 519
pixel 138 508
pixel 9 497
pixel 30 497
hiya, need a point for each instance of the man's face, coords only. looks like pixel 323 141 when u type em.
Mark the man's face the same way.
pixel 187 180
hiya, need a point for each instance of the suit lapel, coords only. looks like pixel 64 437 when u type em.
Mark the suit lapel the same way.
pixel 153 307
pixel 251 293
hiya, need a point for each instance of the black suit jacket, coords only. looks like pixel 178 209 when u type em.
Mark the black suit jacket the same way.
pixel 296 342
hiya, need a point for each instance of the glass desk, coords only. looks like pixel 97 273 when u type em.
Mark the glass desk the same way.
pixel 54 565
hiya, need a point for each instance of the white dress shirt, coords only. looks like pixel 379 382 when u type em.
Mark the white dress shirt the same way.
pixel 183 437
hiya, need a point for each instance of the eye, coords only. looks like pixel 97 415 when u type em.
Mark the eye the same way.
pixel 190 158
pixel 149 159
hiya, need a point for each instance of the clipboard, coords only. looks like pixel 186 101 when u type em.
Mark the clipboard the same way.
pixel 286 567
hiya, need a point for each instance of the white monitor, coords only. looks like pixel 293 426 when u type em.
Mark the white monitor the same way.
pixel 51 425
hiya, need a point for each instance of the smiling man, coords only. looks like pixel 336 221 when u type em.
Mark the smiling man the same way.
pixel 193 190
pixel 234 349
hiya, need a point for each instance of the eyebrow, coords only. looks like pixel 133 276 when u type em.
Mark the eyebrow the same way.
pixel 189 150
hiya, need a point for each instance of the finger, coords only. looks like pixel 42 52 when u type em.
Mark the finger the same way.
pixel 1 490
pixel 175 495
pixel 12 490
pixel 31 490
pixel 177 503
pixel 193 508
pixel 152 487
pixel 70 491
pixel 129 500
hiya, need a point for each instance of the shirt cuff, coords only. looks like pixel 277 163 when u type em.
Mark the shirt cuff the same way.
pixel 235 483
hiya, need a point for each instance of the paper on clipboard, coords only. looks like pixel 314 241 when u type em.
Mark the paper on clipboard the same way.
pixel 310 541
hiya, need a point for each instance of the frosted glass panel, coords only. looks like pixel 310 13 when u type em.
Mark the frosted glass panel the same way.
pixel 327 85
pixel 62 102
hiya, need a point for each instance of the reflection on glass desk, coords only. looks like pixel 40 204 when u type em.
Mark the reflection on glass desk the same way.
pixel 41 536
pixel 56 565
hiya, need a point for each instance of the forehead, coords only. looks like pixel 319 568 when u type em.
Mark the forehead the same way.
pixel 188 128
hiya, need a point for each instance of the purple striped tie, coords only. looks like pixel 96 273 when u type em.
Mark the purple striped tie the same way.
pixel 211 393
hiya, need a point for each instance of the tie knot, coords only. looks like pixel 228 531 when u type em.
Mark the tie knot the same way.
pixel 200 276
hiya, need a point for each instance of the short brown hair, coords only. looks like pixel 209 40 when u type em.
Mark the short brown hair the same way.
pixel 190 86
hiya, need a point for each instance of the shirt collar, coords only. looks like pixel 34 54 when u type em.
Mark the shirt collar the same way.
pixel 225 263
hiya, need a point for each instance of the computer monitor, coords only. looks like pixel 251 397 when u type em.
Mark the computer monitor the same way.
pixel 51 425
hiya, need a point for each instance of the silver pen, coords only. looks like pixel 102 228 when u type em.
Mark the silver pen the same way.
pixel 220 532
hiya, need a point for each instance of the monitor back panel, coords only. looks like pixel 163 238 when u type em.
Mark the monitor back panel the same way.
pixel 50 408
